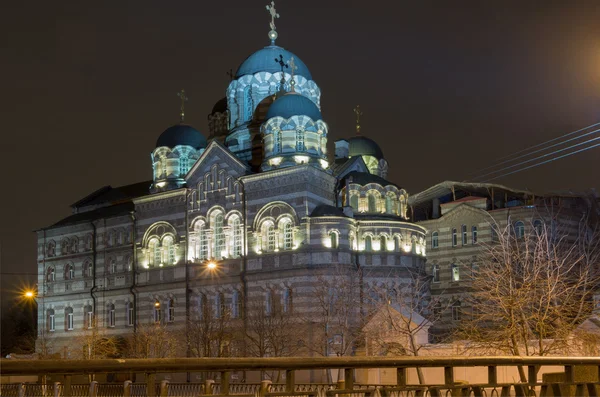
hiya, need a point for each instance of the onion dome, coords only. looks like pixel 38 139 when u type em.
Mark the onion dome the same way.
pixel 264 61
pixel 294 104
pixel 181 135
pixel 363 146
pixel 220 106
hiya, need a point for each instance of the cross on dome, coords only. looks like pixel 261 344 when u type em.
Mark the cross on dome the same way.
pixel 274 15
pixel 184 99
pixel 358 114
pixel 293 68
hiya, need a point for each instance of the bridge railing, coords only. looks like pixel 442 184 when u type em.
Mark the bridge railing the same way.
pixel 347 387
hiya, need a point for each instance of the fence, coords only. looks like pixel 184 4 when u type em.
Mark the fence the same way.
pixel 569 384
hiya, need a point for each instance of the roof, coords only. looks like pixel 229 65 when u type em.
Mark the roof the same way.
pixel 327 210
pixel 447 187
pixel 266 60
pixel 108 194
pixel 294 104
pixel 364 178
pixel 363 146
pixel 181 134
pixel 465 199
pixel 220 106
pixel 99 213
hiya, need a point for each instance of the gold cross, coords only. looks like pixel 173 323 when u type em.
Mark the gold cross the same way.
pixel 358 114
pixel 184 99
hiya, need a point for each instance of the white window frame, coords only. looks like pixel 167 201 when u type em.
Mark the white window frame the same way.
pixel 111 316
pixel 70 321
pixel 51 323
pixel 130 314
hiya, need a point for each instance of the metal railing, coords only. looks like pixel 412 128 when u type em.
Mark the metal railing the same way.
pixel 569 385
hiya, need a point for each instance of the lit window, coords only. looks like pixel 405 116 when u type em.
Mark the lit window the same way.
pixel 269 236
pixel 201 247
pixel 455 272
pixel 333 239
pixel 354 202
pixel 464 234
pixel 372 201
pixel 383 243
pixel 111 315
pixel 169 249
pixel 154 257
pixel 183 165
pixel 474 235
pixel 368 243
pixel 287 235
pixel 435 272
pixel 434 240
pixel 454 238
pixel 219 236
pixel 237 236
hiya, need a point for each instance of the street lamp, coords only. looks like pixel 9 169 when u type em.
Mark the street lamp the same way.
pixel 211 265
pixel 29 294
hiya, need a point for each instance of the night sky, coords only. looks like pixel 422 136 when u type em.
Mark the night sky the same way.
pixel 446 88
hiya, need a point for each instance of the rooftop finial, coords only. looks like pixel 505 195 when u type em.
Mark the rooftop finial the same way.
pixel 184 99
pixel 293 67
pixel 230 74
pixel 274 15
pixel 282 82
pixel 358 114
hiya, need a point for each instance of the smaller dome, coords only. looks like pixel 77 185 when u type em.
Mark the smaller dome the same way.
pixel 294 104
pixel 363 146
pixel 181 134
pixel 220 106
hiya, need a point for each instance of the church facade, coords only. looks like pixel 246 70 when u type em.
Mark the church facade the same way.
pixel 251 214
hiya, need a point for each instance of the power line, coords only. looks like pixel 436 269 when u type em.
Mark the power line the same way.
pixel 499 161
pixel 544 162
pixel 537 158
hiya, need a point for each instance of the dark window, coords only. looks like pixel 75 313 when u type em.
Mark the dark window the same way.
pixel 434 240
pixel 474 235
pixel 435 271
pixel 454 238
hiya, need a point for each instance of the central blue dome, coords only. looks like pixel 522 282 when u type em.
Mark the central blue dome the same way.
pixel 294 104
pixel 181 134
pixel 264 61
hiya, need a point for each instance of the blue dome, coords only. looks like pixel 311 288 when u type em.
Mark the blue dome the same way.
pixel 294 104
pixel 181 134
pixel 264 61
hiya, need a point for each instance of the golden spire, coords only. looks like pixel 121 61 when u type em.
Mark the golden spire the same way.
pixel 358 114
pixel 293 67
pixel 184 99
pixel 274 15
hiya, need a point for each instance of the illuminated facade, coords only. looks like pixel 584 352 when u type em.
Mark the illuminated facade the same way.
pixel 260 198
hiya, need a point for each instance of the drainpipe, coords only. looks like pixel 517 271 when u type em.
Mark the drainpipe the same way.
pixel 94 257
pixel 187 284
pixel 132 289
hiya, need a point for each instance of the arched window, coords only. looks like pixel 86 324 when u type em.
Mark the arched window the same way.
pixel 352 241
pixel 268 236
pixel 69 272
pixel 235 304
pixel 89 242
pixel 455 272
pixel 456 311
pixel 474 235
pixel 110 312
pixel 87 269
pixel 333 237
pixel 64 247
pixel 50 320
pixel 383 243
pixel 397 245
pixel 154 257
pixel 201 248
pixel 248 103
pixel 74 245
pixel 236 226
pixel 169 249
pixel 120 237
pixel 69 323
pixel 389 203
pixel 219 236
pixel 287 234
pixel 368 243
pixel 463 229
pixel 183 165
pixel 130 314
pixel 50 274
pixel 171 310
pixel 435 272
pixel 269 303
pixel 519 229
pixel 128 263
pixel 112 266
pixel 287 300
pixel 110 239
pixel 538 226
pixel 157 312
pixel 434 240
pixel 354 202
pixel 372 201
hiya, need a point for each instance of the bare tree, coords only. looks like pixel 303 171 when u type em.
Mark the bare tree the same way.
pixel 154 340
pixel 210 333
pixel 95 343
pixel 534 285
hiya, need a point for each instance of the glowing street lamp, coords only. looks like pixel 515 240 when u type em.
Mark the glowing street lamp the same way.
pixel 29 294
pixel 211 265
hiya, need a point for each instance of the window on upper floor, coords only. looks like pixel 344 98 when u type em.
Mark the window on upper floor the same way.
pixel 287 235
pixel 454 238
pixel 171 310
pixel 65 246
pixel 368 243
pixel 69 319
pixel 236 227
pixel 372 202
pixel 169 249
pixel 69 272
pixel 434 240
pixel 110 314
pixel 219 236
pixel 74 245
pixel 154 254
pixel 157 312
pixel 50 274
pixel 51 249
pixel 88 316
pixel 474 235
pixel 287 300
pixel 382 243
pixel 268 302
pixel 235 304
pixel 354 202
pixel 455 272
pixel 463 230
pixel 333 239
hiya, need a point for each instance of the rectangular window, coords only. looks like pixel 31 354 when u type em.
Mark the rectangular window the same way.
pixel 454 238
pixel 90 319
pixel 111 318
pixel 464 234
pixel 474 235
pixel 157 315
pixel 171 314
pixel 456 312
pixel 51 323
pixel 130 315
pixel 69 321
pixel 455 272
pixel 235 305
pixel 436 273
